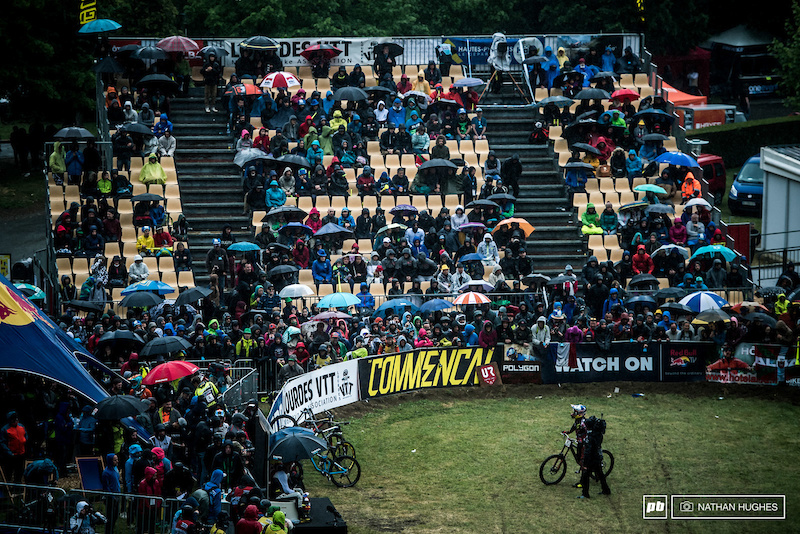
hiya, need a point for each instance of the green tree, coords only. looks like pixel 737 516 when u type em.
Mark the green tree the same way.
pixel 788 55
pixel 143 18
pixel 46 67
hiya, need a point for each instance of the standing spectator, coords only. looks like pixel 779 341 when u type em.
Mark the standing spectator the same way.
pixel 212 71
pixel 74 161
pixel 13 439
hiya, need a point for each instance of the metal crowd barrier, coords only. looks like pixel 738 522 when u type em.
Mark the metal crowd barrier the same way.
pixel 240 392
pixel 33 508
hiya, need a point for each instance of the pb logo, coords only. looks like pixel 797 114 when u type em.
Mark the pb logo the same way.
pixel 654 507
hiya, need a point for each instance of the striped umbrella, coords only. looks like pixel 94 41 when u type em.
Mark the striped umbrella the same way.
pixel 280 79
pixel 703 300
pixel 471 298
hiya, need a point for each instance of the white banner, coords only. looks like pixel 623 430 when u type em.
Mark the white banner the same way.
pixel 323 389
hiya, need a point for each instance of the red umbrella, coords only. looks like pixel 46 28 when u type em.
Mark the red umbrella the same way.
pixel 280 79
pixel 244 89
pixel 622 94
pixel 178 43
pixel 167 372
pixel 329 51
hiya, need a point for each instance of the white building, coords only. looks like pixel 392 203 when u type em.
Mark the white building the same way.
pixel 780 225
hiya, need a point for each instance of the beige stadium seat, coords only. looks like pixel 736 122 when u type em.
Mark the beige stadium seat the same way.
pixel 596 241
pixel 170 278
pixel 407 160
pixel 601 253
pixel 580 199
pixel 376 290
pixel 606 185
pixel 596 198
pixel 64 266
pixel 592 185
pixel 541 93
pixel 626 197
pixel 615 254
pixel 610 242
pixel 152 263
pixel 185 279
pixel 166 263
pixel 640 80
pixel 646 91
pixel 391 161
pixel 626 81
pixel 561 145
pixel 555 132
pixel 482 148
pixel 612 197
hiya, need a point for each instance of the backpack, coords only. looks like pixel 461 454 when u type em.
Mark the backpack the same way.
pixel 596 430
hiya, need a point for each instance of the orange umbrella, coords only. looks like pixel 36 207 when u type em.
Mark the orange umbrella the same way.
pixel 524 225
pixel 750 305
pixel 471 298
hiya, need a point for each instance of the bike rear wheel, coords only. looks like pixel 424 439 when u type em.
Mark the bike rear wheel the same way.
pixel 345 471
pixel 282 421
pixel 344 448
pixel 553 469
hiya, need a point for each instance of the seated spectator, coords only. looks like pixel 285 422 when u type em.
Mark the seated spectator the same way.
pixel 695 231
pixel 365 183
pixel 608 220
pixel 112 230
pixel 591 221
pixel 145 244
pixel 642 262
pixel 138 271
pixel 690 188
pixel 420 141
pixel 440 149
pixel 162 126
pixel 117 273
pixel 152 172
pixel 167 145
pixel 633 166
pixel 321 270
pixel 479 125
pixel 182 258
pixel 275 196
pixel 163 241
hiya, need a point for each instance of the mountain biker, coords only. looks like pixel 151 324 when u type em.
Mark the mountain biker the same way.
pixel 592 460
pixel 579 427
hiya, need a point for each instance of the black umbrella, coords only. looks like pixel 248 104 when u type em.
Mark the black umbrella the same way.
pixel 73 133
pixel 120 335
pixel 108 65
pixel 137 128
pixel 149 52
pixel 394 49
pixel 592 93
pixel 643 279
pixel 482 203
pixel 644 300
pixel 295 159
pixel 282 269
pixel 333 229
pixel 192 294
pixel 676 308
pixel 118 407
pixel 147 197
pixel 584 147
pixel 127 49
pixel 165 345
pixel 559 101
pixel 587 115
pixel 86 305
pixel 653 137
pixel 763 317
pixel 534 60
pixel 437 163
pixel 279 247
pixel 770 291
pixel 579 165
pixel 603 74
pixel 378 89
pixel 217 51
pixel 566 77
pixel 158 81
pixel 287 211
pixel 536 278
pixel 295 443
pixel 712 316
pixel 502 197
pixel 560 279
pixel 350 94
pixel 141 299
pixel 260 42
pixel 671 293
pixel 252 313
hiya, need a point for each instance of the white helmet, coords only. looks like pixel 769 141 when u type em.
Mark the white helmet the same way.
pixel 578 410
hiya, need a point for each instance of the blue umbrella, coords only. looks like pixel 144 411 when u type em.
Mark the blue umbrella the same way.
pixel 677 158
pixel 435 305
pixel 727 253
pixel 471 257
pixel 244 246
pixel 295 225
pixel 703 300
pixel 469 82
pixel 654 113
pixel 338 300
pixel 149 285
pixel 334 230
pixel 396 304
pixel 100 26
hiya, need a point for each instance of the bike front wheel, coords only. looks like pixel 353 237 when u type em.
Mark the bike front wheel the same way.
pixel 608 462
pixel 282 421
pixel 345 471
pixel 344 448
pixel 553 469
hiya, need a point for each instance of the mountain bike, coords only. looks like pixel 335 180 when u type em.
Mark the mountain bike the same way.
pixel 554 467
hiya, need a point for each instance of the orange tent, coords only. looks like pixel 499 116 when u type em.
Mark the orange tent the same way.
pixel 679 98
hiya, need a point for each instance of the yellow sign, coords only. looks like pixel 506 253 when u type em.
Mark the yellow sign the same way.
pixel 5 265
pixel 88 11
pixel 435 368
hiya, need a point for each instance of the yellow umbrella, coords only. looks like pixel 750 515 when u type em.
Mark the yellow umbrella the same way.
pixel 524 225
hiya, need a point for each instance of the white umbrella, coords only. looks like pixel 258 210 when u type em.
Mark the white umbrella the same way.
pixel 700 301
pixel 471 298
pixel 293 291
pixel 280 79
pixel 698 202
pixel 667 249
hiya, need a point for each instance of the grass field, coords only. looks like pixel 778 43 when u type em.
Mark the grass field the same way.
pixel 19 193
pixel 467 460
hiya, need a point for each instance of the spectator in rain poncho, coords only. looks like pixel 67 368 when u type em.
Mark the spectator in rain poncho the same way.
pixel 488 249
pixel 152 172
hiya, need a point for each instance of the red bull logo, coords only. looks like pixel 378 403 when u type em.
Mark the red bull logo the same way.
pixel 683 361
pixel 15 310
